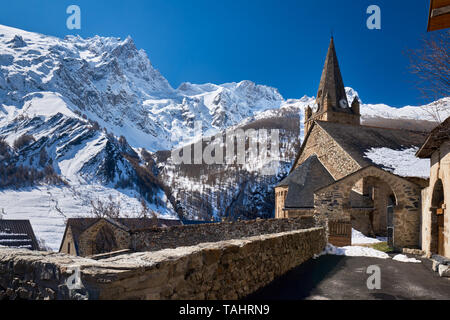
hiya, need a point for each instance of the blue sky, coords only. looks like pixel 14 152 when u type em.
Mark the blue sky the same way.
pixel 281 43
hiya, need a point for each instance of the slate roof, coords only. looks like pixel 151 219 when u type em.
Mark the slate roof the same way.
pixel 357 140
pixel 310 176
pixel 17 234
pixel 437 136
pixel 79 225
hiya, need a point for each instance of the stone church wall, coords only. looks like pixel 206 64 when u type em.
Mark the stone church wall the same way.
pixel 223 270
pixel 332 156
pixel 440 169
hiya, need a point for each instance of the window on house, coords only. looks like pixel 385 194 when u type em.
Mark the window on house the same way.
pixel 68 248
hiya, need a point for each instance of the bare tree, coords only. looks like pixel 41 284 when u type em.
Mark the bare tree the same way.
pixel 106 209
pixel 146 213
pixel 431 65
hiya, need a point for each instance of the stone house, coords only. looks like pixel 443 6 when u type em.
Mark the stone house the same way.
pixel 335 177
pixel 435 198
pixel 92 236
pixel 18 234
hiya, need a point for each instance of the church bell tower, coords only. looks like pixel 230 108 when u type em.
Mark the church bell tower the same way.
pixel 331 103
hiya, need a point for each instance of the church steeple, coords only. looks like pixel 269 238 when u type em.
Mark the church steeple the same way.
pixel 331 83
pixel 332 103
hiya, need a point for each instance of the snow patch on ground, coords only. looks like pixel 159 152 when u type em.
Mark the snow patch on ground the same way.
pixel 354 251
pixel 403 258
pixel 359 238
pixel 400 162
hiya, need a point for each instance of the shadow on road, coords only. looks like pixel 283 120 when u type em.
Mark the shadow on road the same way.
pixel 298 283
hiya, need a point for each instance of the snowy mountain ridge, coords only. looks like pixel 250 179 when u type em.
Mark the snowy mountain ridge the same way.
pixel 112 82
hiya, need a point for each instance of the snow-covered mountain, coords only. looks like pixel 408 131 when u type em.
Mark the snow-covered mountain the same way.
pixel 97 114
pixel 54 164
pixel 110 81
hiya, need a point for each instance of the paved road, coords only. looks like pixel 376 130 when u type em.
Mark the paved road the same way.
pixel 342 278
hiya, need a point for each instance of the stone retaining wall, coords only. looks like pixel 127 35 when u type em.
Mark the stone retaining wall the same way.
pixel 223 270
pixel 164 238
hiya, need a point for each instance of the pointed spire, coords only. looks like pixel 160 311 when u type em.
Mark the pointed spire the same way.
pixel 308 113
pixel 356 106
pixel 331 83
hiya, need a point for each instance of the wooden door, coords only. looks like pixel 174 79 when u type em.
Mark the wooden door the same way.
pixel 440 219
pixel 390 225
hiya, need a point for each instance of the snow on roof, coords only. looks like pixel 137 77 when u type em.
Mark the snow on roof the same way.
pixel 400 162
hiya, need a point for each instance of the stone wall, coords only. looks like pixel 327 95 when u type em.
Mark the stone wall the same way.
pixel 223 270
pixel 361 221
pixel 295 213
pixel 173 237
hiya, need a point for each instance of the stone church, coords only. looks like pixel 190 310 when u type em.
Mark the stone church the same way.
pixel 333 177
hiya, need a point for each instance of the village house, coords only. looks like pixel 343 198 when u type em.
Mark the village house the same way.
pixel 93 236
pixel 336 176
pixel 439 15
pixel 435 198
pixel 18 234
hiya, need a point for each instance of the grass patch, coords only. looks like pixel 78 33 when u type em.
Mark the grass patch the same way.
pixel 382 246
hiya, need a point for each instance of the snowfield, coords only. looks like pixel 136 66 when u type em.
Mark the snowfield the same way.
pixel 47 208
